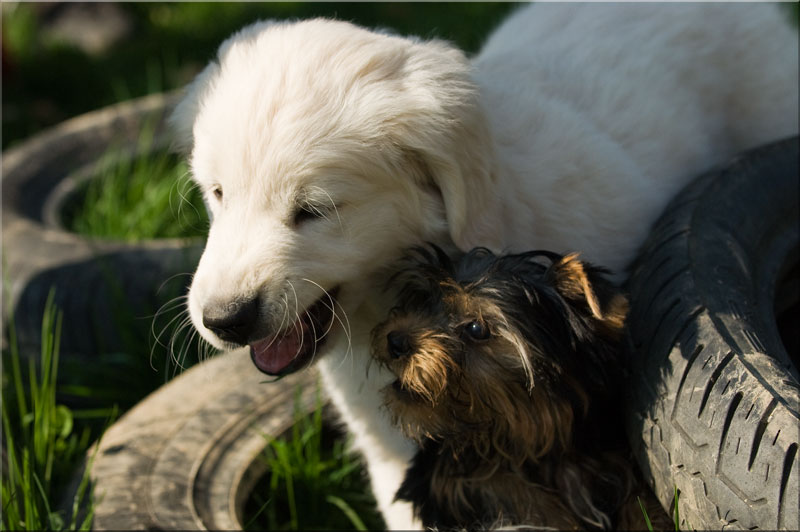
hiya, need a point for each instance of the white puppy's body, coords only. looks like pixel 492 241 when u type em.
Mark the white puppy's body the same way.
pixel 325 151
pixel 612 109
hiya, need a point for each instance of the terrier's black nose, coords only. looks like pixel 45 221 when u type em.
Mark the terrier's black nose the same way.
pixel 232 321
pixel 399 344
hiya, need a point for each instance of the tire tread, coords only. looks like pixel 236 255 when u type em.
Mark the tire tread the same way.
pixel 714 406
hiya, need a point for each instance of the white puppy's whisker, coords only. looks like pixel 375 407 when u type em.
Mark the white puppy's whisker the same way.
pixel 279 331
pixel 297 325
pixel 183 193
pixel 314 333
pixel 168 307
pixel 342 319
pixel 330 306
pixel 183 327
pixel 284 320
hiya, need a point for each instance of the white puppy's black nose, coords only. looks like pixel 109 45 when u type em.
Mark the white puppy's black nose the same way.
pixel 232 321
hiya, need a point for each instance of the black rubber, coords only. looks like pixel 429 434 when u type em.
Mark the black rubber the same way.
pixel 714 400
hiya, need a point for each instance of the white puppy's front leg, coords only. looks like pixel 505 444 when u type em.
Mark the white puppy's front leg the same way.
pixel 386 477
pixel 387 452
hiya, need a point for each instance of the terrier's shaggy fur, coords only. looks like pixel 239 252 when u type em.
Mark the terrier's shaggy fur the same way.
pixel 508 372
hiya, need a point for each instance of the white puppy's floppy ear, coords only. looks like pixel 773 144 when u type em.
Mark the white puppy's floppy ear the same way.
pixel 449 136
pixel 465 180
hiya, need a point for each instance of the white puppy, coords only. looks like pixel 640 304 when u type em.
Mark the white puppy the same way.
pixel 325 150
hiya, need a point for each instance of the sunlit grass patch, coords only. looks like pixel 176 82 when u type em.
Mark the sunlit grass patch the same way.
pixel 137 198
pixel 313 481
pixel 42 447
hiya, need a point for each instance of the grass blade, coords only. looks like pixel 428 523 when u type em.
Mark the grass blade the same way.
pixel 646 517
pixel 39 446
pixel 347 510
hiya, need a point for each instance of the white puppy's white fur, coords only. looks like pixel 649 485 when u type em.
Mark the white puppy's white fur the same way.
pixel 571 130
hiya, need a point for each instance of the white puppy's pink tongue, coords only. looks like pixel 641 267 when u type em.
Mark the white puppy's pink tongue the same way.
pixel 273 355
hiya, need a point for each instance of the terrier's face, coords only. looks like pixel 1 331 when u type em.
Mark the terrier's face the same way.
pixel 499 353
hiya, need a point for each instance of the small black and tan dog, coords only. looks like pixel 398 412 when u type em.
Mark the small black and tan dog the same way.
pixel 508 376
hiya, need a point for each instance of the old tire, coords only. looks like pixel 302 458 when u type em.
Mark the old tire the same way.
pixel 186 457
pixel 714 401
pixel 92 277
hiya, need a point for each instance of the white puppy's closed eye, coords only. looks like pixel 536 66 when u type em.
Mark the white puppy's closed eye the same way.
pixel 309 208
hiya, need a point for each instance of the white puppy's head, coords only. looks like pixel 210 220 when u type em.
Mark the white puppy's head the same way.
pixel 323 151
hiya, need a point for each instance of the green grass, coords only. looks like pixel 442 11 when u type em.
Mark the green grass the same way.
pixel 312 482
pixel 138 198
pixel 676 518
pixel 42 446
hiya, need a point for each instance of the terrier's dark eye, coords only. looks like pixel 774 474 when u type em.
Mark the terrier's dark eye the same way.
pixel 477 330
pixel 217 192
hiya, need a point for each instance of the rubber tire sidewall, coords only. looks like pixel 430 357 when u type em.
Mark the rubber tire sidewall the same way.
pixel 713 410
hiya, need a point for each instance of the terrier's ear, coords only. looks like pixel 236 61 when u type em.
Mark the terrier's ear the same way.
pixel 586 285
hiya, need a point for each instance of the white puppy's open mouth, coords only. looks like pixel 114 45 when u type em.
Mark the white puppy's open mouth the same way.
pixel 295 347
